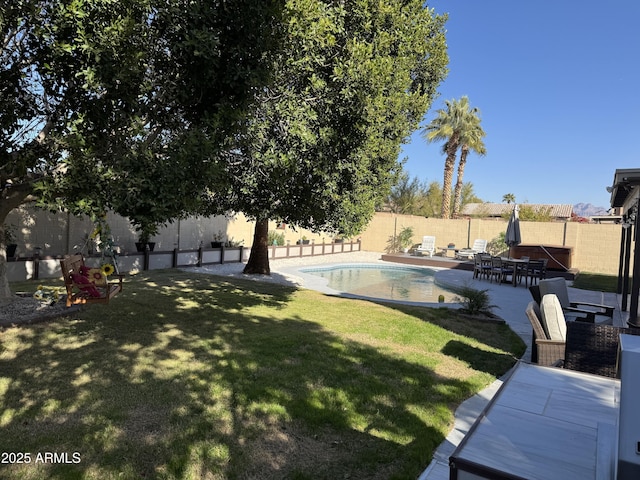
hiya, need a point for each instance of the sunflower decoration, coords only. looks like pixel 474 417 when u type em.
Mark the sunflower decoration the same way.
pixel 107 269
pixel 96 276
pixel 48 295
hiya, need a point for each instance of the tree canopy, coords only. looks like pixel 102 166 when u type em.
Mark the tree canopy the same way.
pixel 320 148
pixel 284 109
pixel 120 104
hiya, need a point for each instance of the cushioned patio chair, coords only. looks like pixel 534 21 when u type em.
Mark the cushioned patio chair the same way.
pixel 595 311
pixel 575 314
pixel 547 346
pixel 428 245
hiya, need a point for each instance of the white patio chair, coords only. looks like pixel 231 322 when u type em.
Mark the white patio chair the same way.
pixel 479 246
pixel 427 246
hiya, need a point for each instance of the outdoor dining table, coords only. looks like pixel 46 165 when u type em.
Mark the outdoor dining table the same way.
pixel 517 264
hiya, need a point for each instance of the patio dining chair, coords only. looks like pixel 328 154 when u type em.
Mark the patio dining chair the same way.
pixel 481 265
pixel 522 270
pixel 500 270
pixel 536 270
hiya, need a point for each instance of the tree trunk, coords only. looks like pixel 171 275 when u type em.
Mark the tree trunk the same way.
pixel 457 194
pixel 258 262
pixel 5 291
pixel 449 165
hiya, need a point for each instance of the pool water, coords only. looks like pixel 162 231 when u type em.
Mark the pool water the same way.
pixel 384 282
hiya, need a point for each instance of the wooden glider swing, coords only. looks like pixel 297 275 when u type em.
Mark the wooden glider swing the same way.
pixel 85 284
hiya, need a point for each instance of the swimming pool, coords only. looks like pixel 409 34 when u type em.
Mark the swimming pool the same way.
pixel 398 283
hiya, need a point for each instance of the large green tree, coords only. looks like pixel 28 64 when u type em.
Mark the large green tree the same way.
pixel 458 126
pixel 122 104
pixel 353 80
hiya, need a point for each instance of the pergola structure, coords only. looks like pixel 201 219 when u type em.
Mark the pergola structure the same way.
pixel 625 197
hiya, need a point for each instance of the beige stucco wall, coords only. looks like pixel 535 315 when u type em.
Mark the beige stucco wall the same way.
pixel 596 247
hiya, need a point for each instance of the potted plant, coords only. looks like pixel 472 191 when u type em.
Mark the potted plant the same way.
pixel 218 239
pixel 303 241
pixel 147 230
pixel 9 240
pixel 404 238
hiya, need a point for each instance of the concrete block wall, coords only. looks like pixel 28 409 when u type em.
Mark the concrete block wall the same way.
pixel 596 247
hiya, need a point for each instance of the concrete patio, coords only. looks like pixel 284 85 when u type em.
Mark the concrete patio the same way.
pixel 512 303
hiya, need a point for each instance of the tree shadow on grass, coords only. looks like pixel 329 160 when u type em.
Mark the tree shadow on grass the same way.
pixel 478 359
pixel 196 381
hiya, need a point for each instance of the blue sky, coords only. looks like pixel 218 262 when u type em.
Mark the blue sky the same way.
pixel 557 83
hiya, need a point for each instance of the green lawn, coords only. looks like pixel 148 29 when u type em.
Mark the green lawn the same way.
pixel 596 281
pixel 187 376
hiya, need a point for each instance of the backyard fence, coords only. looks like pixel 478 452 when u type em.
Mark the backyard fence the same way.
pixel 37 266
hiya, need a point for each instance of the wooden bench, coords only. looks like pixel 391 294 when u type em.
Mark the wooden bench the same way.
pixel 86 291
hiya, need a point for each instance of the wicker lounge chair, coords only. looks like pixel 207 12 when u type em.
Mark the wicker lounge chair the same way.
pixel 544 350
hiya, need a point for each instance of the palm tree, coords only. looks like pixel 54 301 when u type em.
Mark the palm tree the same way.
pixel 471 136
pixel 446 127
pixel 509 198
pixel 459 126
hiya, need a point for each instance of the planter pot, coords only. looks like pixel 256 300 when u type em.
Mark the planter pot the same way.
pixel 11 250
pixel 216 244
pixel 303 242
pixel 141 247
pixel 338 240
pixel 151 246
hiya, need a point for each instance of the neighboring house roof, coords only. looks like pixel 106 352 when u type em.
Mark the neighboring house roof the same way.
pixel 499 209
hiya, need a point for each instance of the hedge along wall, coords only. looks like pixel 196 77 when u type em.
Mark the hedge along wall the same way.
pixel 596 247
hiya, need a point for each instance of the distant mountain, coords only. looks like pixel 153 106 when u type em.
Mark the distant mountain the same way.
pixel 588 210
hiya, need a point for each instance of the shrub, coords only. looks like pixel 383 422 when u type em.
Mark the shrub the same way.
pixel 474 301
pixel 497 245
pixel 275 238
pixel 397 243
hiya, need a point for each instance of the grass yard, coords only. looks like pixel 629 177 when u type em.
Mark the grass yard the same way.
pixel 596 281
pixel 188 376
